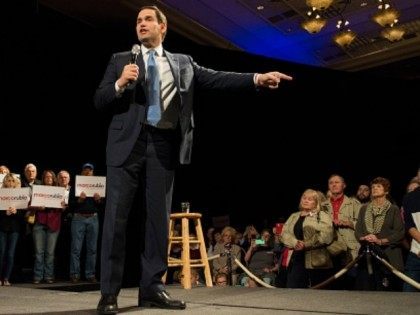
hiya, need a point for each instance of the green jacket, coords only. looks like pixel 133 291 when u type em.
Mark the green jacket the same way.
pixel 317 233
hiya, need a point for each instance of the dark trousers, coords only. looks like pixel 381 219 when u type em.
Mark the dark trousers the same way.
pixel 150 167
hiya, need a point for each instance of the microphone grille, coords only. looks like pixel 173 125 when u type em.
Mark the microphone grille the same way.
pixel 136 49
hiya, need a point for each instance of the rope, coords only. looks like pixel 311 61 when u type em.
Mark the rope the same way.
pixel 249 273
pixel 338 274
pixel 352 263
pixel 335 276
pixel 213 257
pixel 398 273
pixel 252 276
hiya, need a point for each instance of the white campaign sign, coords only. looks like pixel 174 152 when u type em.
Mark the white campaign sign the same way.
pixel 47 196
pixel 90 185
pixel 14 197
pixel 1 179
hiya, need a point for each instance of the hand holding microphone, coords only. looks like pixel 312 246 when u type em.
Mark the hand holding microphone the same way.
pixel 135 50
pixel 130 72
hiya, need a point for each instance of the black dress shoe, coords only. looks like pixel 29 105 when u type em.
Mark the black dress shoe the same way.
pixel 107 305
pixel 161 299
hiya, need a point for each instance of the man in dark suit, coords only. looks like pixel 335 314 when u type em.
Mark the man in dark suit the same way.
pixel 144 141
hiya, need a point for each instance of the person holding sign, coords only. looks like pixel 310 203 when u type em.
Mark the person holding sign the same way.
pixel 10 224
pixel 84 226
pixel 45 233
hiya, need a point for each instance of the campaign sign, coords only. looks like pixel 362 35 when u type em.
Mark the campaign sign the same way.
pixel 90 185
pixel 14 197
pixel 47 196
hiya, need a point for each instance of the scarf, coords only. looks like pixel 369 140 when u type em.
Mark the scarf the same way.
pixel 375 217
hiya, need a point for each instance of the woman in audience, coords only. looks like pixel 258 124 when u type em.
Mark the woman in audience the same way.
pixel 380 228
pixel 10 222
pixel 228 251
pixel 260 259
pixel 307 233
pixel 45 233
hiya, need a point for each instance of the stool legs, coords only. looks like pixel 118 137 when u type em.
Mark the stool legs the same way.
pixel 203 252
pixel 185 240
pixel 185 256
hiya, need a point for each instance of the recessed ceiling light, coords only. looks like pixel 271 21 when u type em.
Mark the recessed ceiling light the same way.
pixel 260 7
pixel 363 4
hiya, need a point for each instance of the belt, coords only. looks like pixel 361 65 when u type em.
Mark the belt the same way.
pixel 86 215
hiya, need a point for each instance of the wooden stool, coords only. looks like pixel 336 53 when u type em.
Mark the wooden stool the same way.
pixel 185 240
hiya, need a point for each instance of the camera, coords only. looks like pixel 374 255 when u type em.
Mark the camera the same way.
pixel 259 242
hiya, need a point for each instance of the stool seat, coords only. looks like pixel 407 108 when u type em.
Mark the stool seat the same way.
pixel 185 240
pixel 189 215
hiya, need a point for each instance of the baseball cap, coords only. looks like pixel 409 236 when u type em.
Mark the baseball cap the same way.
pixel 88 165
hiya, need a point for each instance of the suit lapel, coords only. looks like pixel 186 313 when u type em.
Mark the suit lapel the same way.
pixel 174 64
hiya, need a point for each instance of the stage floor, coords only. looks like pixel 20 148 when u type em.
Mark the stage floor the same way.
pixel 65 298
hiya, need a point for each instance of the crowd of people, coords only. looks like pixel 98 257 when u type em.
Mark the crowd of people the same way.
pixel 324 235
pixel 38 228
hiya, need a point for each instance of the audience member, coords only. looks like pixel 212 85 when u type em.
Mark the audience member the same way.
pixel 308 232
pixel 380 226
pixel 85 228
pixel 10 223
pixel 45 233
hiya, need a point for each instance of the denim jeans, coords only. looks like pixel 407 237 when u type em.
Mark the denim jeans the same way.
pixel 412 270
pixel 44 243
pixel 8 242
pixel 82 227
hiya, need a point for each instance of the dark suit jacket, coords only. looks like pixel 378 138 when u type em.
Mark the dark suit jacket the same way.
pixel 129 110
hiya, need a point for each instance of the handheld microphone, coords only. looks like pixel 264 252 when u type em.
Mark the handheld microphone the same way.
pixel 135 50
pixel 134 53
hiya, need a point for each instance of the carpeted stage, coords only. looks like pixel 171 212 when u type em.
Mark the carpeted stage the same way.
pixel 66 298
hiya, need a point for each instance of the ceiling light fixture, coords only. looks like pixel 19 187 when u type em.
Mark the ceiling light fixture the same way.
pixel 319 4
pixel 314 25
pixel 321 10
pixel 386 17
pixel 393 34
pixel 344 38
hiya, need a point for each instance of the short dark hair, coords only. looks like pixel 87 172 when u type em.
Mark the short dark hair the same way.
pixel 159 15
pixel 386 184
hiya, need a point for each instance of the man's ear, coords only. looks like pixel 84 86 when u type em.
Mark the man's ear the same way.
pixel 163 27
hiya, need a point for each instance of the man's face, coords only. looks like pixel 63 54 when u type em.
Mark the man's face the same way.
pixel 63 179
pixel 221 281
pixel 363 192
pixel 336 185
pixel 149 30
pixel 87 171
pixel 30 174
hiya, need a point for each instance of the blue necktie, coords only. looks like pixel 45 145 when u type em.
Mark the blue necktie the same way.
pixel 153 89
